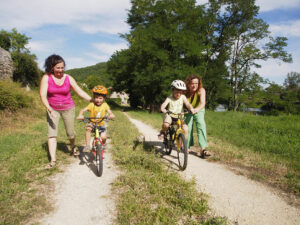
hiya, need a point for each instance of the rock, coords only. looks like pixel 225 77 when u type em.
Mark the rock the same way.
pixel 6 65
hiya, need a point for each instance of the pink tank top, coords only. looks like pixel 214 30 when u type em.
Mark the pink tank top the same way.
pixel 59 97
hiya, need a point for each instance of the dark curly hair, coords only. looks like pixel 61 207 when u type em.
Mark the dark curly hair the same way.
pixel 188 81
pixel 51 61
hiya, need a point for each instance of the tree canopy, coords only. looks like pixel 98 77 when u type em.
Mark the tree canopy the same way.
pixel 25 68
pixel 170 39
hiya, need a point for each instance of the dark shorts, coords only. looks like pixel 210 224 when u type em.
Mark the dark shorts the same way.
pixel 101 128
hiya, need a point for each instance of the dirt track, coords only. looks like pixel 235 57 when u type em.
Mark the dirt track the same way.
pixel 80 196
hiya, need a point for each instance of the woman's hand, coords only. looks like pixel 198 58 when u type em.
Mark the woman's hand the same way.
pixel 51 113
pixel 80 117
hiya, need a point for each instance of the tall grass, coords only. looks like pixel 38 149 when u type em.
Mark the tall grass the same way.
pixel 149 192
pixel 276 138
pixel 277 135
pixel 12 97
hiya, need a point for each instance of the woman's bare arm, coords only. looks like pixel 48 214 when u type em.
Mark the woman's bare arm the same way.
pixel 202 95
pixel 43 92
pixel 187 104
pixel 81 93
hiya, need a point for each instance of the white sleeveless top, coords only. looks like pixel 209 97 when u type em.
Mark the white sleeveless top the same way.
pixel 176 105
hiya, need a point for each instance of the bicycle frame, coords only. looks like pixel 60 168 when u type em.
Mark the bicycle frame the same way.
pixel 178 128
pixel 174 133
pixel 97 145
pixel 97 137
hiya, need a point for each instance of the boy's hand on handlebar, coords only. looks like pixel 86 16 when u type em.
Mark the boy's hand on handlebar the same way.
pixel 111 117
pixel 164 111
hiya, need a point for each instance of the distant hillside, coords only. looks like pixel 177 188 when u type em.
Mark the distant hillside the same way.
pixel 99 69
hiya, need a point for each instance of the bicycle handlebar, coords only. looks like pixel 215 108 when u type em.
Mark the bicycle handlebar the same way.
pixel 179 114
pixel 90 119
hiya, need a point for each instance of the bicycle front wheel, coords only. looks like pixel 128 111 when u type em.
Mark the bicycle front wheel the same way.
pixel 168 143
pixel 181 151
pixel 99 160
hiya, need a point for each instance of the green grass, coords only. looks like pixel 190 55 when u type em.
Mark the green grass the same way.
pixel 268 144
pixel 275 138
pixel 150 192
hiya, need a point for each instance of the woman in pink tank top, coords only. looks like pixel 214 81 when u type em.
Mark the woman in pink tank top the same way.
pixel 56 97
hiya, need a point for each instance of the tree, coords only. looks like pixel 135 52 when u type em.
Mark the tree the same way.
pixel 170 39
pixel 92 80
pixel 26 70
pixel 292 81
pixel 14 41
pixel 5 40
pixel 165 43
pixel 245 32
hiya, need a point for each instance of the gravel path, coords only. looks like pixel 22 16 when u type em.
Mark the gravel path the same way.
pixel 241 200
pixel 80 196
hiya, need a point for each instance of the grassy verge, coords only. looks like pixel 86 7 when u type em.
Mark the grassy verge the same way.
pixel 149 192
pixel 263 148
pixel 24 182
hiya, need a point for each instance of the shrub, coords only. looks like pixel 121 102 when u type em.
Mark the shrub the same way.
pixel 12 97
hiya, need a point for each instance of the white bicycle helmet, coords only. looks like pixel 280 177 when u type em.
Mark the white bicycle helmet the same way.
pixel 178 84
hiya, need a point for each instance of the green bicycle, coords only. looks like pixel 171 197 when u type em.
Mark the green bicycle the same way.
pixel 175 134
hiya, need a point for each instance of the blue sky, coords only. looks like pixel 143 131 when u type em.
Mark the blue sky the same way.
pixel 87 32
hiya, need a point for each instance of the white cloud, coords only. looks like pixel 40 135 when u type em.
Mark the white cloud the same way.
pixel 78 62
pixel 109 49
pixel 268 5
pixel 288 29
pixel 35 13
pixel 99 58
pixel 111 26
pixel 201 2
pixel 46 45
pixel 277 72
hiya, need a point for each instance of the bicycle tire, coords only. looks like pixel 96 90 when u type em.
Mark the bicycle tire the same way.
pixel 168 144
pixel 99 160
pixel 182 151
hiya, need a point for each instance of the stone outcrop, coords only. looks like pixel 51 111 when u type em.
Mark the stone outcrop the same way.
pixel 6 65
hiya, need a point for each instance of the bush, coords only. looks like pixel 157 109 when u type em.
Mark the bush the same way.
pixel 12 97
pixel 26 69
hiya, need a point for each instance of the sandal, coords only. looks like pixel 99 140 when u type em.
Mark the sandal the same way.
pixel 87 148
pixel 75 151
pixel 204 153
pixel 51 165
pixel 161 135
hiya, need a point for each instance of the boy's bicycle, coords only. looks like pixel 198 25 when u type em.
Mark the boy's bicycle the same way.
pixel 96 142
pixel 175 134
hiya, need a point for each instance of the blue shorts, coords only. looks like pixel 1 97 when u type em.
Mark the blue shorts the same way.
pixel 101 128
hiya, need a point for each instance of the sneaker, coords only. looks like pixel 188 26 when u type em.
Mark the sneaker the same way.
pixel 86 149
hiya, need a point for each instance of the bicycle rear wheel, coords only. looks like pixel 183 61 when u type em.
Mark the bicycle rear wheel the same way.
pixel 168 143
pixel 99 160
pixel 181 151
